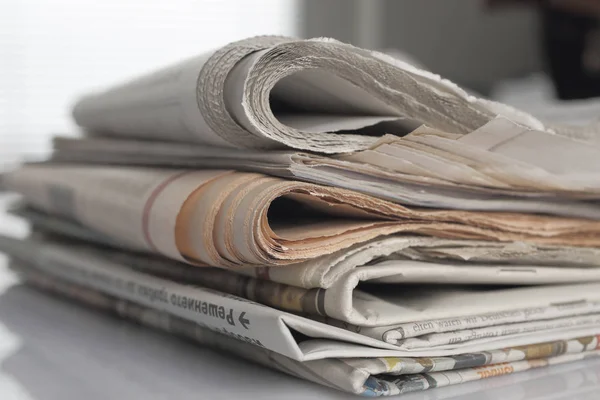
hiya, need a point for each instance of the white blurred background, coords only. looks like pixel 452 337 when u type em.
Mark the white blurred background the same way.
pixel 53 50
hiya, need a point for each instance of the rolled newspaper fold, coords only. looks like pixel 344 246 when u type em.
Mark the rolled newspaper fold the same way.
pixel 249 93
pixel 393 259
pixel 393 131
pixel 273 92
pixel 234 219
pixel 347 285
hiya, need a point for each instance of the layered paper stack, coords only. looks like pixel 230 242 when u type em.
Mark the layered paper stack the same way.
pixel 326 211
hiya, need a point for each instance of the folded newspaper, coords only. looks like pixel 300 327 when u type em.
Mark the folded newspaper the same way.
pixel 400 133
pixel 339 285
pixel 302 346
pixel 373 376
pixel 276 92
pixel 327 211
pixel 232 219
pixel 379 175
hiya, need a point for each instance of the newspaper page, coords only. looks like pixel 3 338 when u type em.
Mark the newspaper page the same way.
pixel 247 320
pixel 344 299
pixel 378 171
pixel 364 376
pixel 221 98
pixel 233 219
pixel 402 257
pixel 339 295
pixel 263 93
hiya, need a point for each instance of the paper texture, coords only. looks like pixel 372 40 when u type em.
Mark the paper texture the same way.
pixel 270 328
pixel 328 211
pixel 270 92
pixel 222 98
pixel 345 301
pixel 382 171
pixel 329 97
pixel 233 219
pixel 395 259
pixel 365 376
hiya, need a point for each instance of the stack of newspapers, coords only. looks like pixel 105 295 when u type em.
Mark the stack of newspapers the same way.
pixel 327 211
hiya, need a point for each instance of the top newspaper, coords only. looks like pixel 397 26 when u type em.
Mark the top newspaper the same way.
pixel 278 106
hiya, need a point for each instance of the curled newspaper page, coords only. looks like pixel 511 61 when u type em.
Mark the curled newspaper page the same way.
pixel 275 92
pixel 234 219
pixel 348 285
pixel 403 258
pixel 394 259
pixel 424 168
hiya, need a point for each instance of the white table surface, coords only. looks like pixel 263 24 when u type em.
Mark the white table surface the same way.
pixel 52 349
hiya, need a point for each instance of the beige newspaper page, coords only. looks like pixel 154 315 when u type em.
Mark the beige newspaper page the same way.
pixel 393 259
pixel 377 171
pixel 234 219
pixel 275 92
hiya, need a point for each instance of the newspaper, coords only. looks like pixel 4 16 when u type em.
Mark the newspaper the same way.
pixel 233 219
pixel 343 299
pixel 501 158
pixel 367 172
pixel 222 98
pixel 407 259
pixel 272 329
pixel 331 285
pixel 328 97
pixel 321 274
pixel 365 376
pixel 271 92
